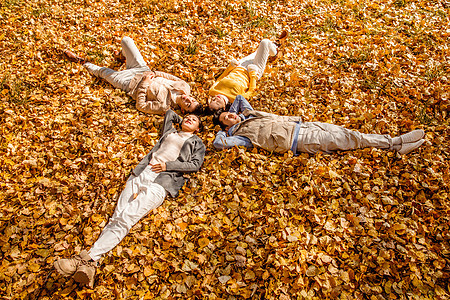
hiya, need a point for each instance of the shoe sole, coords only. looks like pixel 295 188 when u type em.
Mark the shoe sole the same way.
pixel 81 277
pixel 71 56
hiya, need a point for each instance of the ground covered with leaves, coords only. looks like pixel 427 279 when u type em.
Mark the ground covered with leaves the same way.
pixel 364 224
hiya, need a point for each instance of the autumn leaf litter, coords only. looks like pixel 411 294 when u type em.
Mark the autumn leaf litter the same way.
pixel 364 224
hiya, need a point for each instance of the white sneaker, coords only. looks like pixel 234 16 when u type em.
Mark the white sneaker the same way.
pixel 408 147
pixel 412 136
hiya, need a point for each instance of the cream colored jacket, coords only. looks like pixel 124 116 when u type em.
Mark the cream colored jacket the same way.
pixel 157 95
pixel 268 131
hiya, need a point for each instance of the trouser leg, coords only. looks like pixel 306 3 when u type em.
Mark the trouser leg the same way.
pixel 118 79
pixel 140 196
pixel 324 137
pixel 259 58
pixel 121 79
pixel 133 57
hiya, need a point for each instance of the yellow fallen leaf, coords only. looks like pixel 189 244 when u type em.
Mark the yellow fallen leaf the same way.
pixel 33 267
pixel 203 242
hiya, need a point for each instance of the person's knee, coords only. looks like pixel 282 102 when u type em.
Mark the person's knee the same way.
pixel 265 42
pixel 126 40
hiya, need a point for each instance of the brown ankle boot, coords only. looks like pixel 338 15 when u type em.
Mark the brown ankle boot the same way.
pixel 68 266
pixel 74 58
pixel 85 274
pixel 281 38
pixel 118 55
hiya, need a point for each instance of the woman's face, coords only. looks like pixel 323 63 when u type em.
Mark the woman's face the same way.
pixel 190 123
pixel 217 102
pixel 187 103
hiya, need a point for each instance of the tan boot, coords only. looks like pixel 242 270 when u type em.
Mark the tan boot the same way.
pixel 280 45
pixel 85 273
pixel 74 58
pixel 68 266
pixel 118 56
pixel 282 38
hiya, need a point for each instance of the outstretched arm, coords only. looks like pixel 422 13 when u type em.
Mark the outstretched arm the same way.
pixel 231 66
pixel 167 76
pixel 145 103
pixel 222 141
pixel 239 105
pixel 170 119
pixel 252 84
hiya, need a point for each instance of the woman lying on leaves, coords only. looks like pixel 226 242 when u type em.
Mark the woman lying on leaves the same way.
pixel 240 77
pixel 154 91
pixel 159 173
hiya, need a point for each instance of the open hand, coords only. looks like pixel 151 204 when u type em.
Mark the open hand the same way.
pixel 158 168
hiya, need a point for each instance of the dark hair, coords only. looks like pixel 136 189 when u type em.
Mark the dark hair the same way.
pixel 200 124
pixel 199 110
pixel 216 119
pixel 209 111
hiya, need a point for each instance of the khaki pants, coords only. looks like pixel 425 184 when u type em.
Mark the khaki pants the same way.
pixel 139 197
pixel 324 137
pixel 259 58
pixel 121 79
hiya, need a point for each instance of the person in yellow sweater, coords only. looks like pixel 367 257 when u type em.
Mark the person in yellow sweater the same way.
pixel 240 77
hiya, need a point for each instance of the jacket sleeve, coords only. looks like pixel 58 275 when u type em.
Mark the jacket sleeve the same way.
pixel 193 165
pixel 170 118
pixel 252 85
pixel 222 141
pixel 295 119
pixel 145 104
pixel 239 105
pixel 141 93
pixel 167 76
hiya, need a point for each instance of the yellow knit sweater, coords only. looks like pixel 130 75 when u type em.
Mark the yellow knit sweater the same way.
pixel 235 81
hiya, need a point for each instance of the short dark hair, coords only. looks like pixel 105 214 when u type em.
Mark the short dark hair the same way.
pixel 216 119
pixel 209 111
pixel 199 110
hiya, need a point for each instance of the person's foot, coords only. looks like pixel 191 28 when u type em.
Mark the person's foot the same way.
pixel 274 58
pixel 68 266
pixel 118 56
pixel 73 57
pixel 279 43
pixel 85 273
pixel 412 136
pixel 408 147
pixel 282 38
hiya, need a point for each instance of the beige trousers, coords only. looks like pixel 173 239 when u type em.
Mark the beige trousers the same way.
pixel 324 137
pixel 139 197
pixel 121 79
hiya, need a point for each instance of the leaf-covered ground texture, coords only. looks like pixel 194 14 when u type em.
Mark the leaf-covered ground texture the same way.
pixel 363 224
